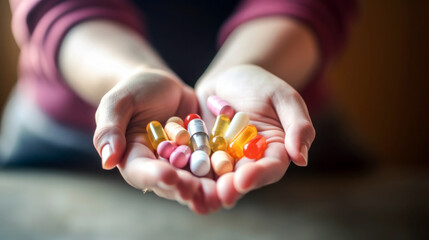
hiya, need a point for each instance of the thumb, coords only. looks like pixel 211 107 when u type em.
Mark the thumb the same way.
pixel 112 117
pixel 296 121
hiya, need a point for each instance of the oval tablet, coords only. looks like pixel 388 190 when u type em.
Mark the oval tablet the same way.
pixel 165 148
pixel 200 163
pixel 180 156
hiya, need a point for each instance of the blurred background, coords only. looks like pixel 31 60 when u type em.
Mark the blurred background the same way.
pixel 379 87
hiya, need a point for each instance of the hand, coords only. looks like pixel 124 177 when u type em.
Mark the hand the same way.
pixel 276 110
pixel 121 139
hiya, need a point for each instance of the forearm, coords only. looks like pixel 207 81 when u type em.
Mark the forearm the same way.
pixel 95 55
pixel 281 45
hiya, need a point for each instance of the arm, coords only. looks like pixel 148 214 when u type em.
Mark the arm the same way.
pixel 95 55
pixel 281 45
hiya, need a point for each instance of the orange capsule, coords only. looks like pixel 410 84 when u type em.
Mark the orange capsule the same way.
pixel 235 149
pixel 255 148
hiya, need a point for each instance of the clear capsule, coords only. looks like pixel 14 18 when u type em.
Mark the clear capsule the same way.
pixel 235 148
pixel 199 137
pixel 240 121
pixel 156 133
pixel 217 140
pixel 255 148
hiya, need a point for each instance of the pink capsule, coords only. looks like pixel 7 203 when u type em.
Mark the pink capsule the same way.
pixel 218 106
pixel 165 148
pixel 180 156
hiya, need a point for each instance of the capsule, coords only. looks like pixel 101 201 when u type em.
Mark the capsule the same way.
pixel 217 140
pixel 200 163
pixel 177 120
pixel 189 118
pixel 240 121
pixel 165 149
pixel 219 106
pixel 155 133
pixel 177 133
pixel 222 162
pixel 235 148
pixel 255 148
pixel 180 156
pixel 199 137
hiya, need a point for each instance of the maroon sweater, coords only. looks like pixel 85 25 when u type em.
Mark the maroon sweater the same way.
pixel 40 25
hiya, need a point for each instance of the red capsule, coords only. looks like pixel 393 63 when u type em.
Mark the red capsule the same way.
pixel 189 118
pixel 255 148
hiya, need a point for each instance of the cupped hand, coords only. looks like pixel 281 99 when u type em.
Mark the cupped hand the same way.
pixel 276 110
pixel 121 140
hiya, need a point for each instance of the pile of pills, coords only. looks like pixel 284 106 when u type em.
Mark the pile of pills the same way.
pixel 188 141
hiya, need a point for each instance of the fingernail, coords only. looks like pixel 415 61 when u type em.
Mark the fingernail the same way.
pixel 106 152
pixel 229 207
pixel 165 186
pixel 304 153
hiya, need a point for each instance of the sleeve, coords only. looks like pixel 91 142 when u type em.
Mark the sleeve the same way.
pixel 329 19
pixel 42 24
pixel 39 27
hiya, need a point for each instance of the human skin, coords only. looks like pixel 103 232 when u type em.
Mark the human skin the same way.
pixel 122 80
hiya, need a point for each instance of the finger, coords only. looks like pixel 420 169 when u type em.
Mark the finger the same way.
pixel 270 169
pixel 226 191
pixel 187 186
pixel 112 117
pixel 141 170
pixel 198 204
pixel 210 194
pixel 188 103
pixel 296 121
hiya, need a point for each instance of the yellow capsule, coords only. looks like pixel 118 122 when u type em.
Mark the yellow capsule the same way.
pixel 218 143
pixel 217 140
pixel 236 147
pixel 156 133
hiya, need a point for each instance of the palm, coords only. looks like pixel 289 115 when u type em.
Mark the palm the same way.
pixel 256 92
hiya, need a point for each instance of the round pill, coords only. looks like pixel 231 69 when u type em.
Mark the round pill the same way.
pixel 200 163
pixel 177 120
pixel 189 118
pixel 177 133
pixel 180 156
pixel 165 148
pixel 222 162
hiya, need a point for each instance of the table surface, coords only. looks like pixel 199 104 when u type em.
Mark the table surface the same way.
pixel 48 204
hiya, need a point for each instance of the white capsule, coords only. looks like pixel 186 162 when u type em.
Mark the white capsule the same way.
pixel 240 121
pixel 200 163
